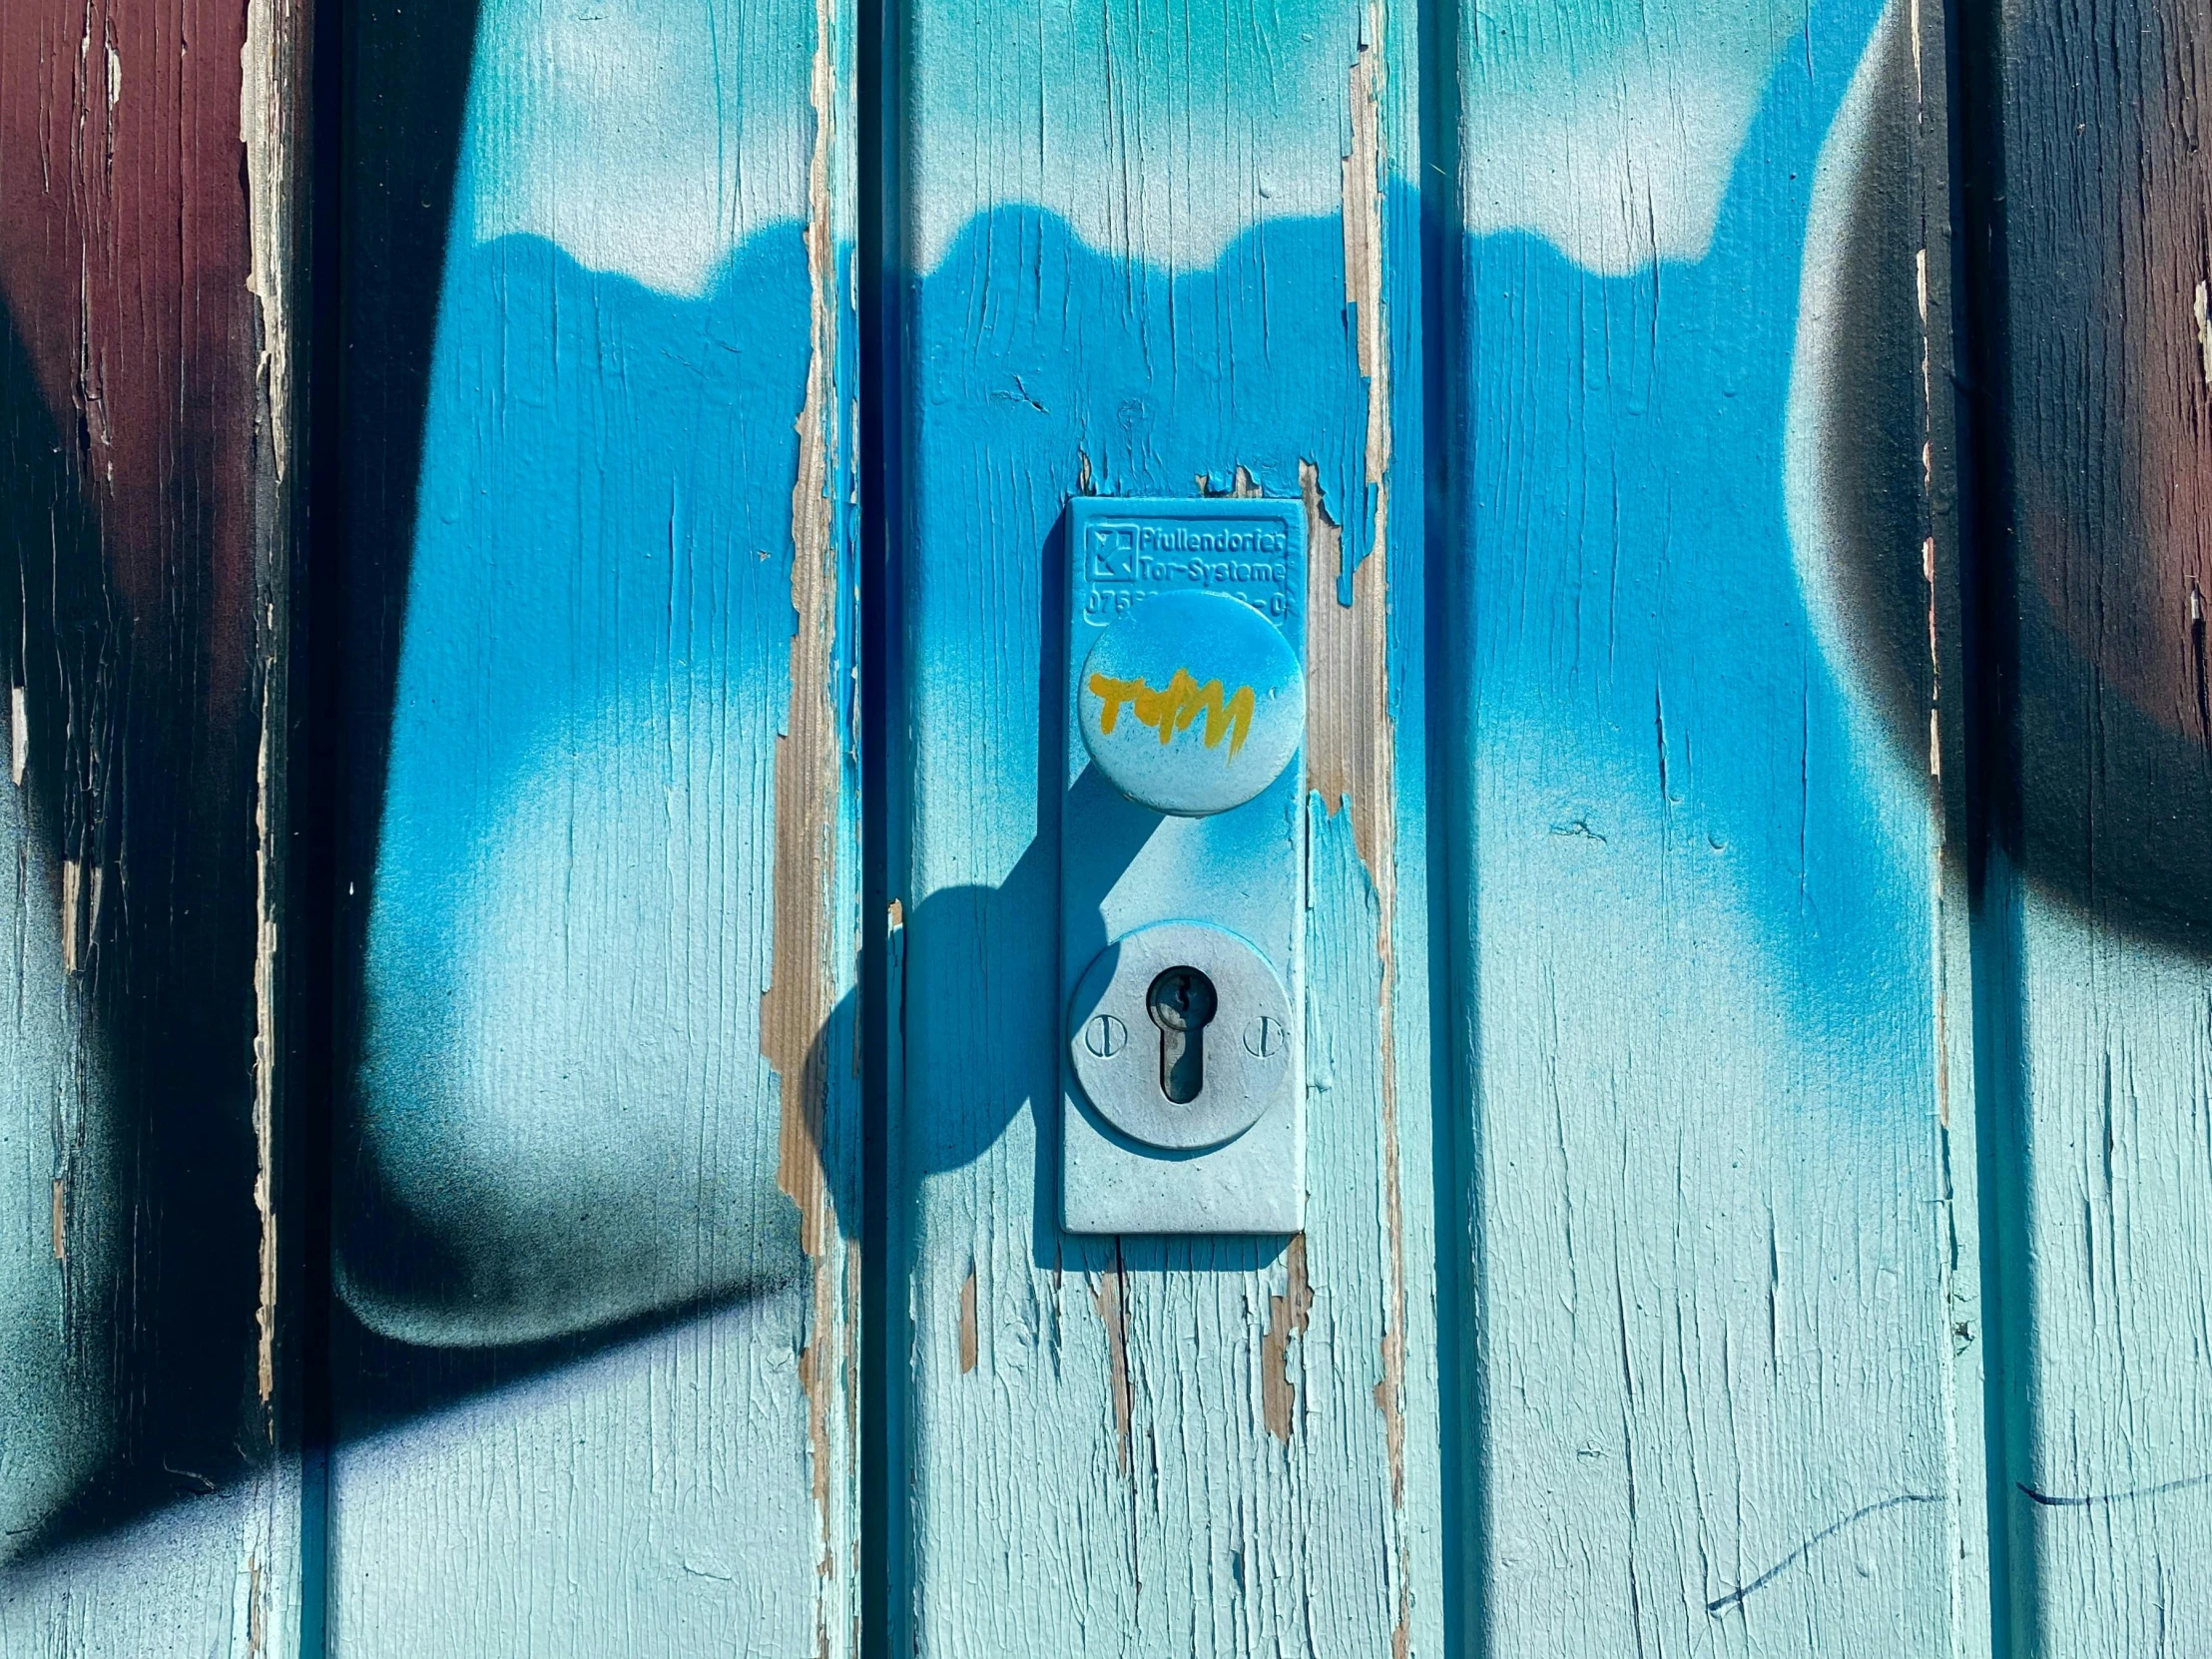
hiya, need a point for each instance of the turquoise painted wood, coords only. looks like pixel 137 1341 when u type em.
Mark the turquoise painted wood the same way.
pixel 1160 250
pixel 1710 956
pixel 593 1348
pixel 1751 862
pixel 2096 976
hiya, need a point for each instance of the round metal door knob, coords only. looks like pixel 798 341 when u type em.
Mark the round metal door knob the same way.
pixel 1193 703
pixel 1128 1045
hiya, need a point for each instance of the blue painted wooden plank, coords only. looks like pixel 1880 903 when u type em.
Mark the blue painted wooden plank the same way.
pixel 596 1159
pixel 2099 931
pixel 1160 250
pixel 2108 1483
pixel 1714 938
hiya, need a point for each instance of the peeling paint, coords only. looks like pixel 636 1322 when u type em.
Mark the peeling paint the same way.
pixel 1363 232
pixel 270 62
pixel 1928 482
pixel 266 111
pixel 2202 310
pixel 1351 742
pixel 794 1010
pixel 257 1608
pixel 1242 485
pixel 1350 756
pixel 1109 1298
pixel 73 904
pixel 1287 1319
pixel 796 1004
pixel 264 1056
pixel 967 1323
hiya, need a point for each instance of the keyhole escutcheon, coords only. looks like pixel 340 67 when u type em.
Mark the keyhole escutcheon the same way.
pixel 1182 1003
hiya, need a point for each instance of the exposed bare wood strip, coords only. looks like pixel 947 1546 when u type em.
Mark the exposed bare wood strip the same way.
pixel 265 1051
pixel 968 1342
pixel 73 904
pixel 1287 1318
pixel 1108 1299
pixel 1351 746
pixel 794 1010
pixel 268 112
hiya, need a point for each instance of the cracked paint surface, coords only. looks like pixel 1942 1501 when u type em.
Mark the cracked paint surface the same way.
pixel 1707 1094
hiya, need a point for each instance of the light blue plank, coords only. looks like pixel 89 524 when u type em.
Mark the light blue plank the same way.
pixel 1160 250
pixel 2098 932
pixel 1712 925
pixel 572 902
pixel 2111 1488
pixel 216 1574
pixel 606 1073
pixel 654 1498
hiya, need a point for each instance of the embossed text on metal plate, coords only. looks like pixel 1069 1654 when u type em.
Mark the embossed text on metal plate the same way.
pixel 1181 867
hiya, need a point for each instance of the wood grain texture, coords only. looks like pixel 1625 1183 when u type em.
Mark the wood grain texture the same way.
pixel 205 1576
pixel 594 1356
pixel 2098 942
pixel 1715 945
pixel 150 199
pixel 1160 252
pixel 1817 1212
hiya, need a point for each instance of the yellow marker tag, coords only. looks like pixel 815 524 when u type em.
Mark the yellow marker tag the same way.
pixel 1174 708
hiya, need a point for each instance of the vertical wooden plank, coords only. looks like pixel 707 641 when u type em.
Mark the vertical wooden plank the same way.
pixel 593 1356
pixel 1726 1370
pixel 150 169
pixel 1160 249
pixel 2100 918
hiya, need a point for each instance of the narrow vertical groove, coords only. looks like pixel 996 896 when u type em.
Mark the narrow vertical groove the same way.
pixel 1450 844
pixel 1986 541
pixel 880 101
pixel 276 59
pixel 313 784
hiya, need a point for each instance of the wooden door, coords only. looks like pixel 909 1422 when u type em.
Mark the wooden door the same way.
pixel 533 1100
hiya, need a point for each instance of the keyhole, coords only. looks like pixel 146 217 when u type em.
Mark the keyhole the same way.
pixel 1182 1002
